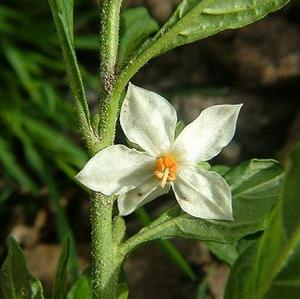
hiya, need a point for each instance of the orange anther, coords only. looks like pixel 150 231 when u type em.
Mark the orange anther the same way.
pixel 173 168
pixel 166 169
pixel 169 160
pixel 160 166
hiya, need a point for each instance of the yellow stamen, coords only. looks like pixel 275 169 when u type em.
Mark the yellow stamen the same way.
pixel 166 169
pixel 164 178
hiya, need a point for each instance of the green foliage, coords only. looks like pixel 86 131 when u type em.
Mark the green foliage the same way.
pixel 227 252
pixel 82 289
pixel 15 171
pixel 254 186
pixel 202 288
pixel 269 268
pixel 15 280
pixel 194 20
pixel 60 282
pixel 37 122
pixel 62 12
pixel 31 96
pixel 36 115
pixel 132 37
pixel 122 291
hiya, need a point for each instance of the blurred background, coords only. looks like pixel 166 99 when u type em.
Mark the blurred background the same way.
pixel 40 203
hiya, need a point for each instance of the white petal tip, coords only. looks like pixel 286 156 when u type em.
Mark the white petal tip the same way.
pixel 86 182
pixel 131 87
pixel 227 218
pixel 123 214
pixel 79 177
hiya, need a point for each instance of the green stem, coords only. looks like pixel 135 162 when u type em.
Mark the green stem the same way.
pixel 109 100
pixel 108 115
pixel 110 19
pixel 106 264
pixel 105 257
pixel 106 261
pixel 143 236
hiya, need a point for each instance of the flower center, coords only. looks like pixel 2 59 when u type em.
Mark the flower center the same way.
pixel 166 169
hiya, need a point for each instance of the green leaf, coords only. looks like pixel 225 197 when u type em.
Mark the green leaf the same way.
pixel 194 20
pixel 273 260
pixel 12 167
pixel 254 186
pixel 220 169
pixel 258 201
pixel 82 289
pixel 62 12
pixel 65 11
pixel 287 282
pixel 202 289
pixel 229 252
pixel 123 291
pixel 21 68
pixel 60 282
pixel 203 286
pixel 54 143
pixel 15 280
pixel 136 26
pixel 63 228
pixel 87 42
pixel 226 252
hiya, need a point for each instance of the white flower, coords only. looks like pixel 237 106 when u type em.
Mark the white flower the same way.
pixel 138 177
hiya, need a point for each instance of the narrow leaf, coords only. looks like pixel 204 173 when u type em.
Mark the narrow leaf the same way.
pixel 15 280
pixel 60 282
pixel 13 168
pixel 62 12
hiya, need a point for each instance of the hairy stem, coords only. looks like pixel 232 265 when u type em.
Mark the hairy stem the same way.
pixel 110 19
pixel 109 100
pixel 106 264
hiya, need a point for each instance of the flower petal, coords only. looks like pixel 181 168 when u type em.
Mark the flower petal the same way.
pixel 148 120
pixel 130 201
pixel 115 168
pixel 203 194
pixel 205 137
